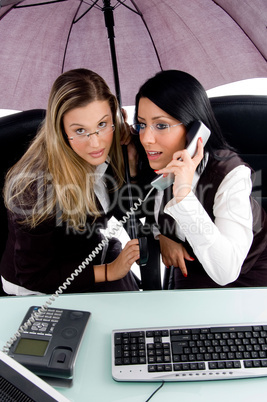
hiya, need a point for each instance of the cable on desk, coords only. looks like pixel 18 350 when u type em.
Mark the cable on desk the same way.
pixel 151 396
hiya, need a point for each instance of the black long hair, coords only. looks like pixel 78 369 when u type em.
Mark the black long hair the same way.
pixel 183 97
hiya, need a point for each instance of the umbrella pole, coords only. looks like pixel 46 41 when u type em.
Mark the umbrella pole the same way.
pixel 109 22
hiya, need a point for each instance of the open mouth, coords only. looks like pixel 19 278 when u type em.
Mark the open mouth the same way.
pixel 153 155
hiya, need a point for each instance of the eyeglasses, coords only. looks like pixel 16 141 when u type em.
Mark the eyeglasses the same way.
pixel 159 128
pixel 102 131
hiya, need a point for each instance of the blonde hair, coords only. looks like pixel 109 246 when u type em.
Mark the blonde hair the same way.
pixel 50 176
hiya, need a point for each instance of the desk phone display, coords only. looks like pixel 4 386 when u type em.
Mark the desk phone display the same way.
pixel 50 344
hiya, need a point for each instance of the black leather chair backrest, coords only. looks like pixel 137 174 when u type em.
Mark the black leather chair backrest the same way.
pixel 16 132
pixel 243 119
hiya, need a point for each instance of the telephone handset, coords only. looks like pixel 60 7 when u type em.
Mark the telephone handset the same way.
pixel 197 130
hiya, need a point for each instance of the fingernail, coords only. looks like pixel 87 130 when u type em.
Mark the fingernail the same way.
pixel 185 275
pixel 192 259
pixel 201 139
pixel 155 170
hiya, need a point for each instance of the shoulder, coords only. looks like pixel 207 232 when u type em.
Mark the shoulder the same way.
pixel 223 169
pixel 221 164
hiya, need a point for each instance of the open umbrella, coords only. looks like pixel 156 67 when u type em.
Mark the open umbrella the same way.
pixel 216 41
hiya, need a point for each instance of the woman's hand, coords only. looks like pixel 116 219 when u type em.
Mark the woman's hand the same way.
pixel 183 167
pixel 122 265
pixel 174 254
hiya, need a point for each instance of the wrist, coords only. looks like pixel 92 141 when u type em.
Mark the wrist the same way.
pixel 106 272
pixel 101 273
pixel 183 192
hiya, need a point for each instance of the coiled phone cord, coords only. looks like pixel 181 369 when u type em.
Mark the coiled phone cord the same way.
pixel 75 273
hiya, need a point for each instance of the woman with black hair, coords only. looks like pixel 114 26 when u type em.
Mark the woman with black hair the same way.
pixel 208 224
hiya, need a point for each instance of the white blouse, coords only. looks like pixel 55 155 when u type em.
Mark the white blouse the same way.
pixel 220 246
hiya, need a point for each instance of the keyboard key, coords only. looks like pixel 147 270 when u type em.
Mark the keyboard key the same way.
pixel 237 364
pixel 231 329
pixel 168 367
pixel 177 367
pixel 118 351
pixel 213 365
pixel 117 339
pixel 177 347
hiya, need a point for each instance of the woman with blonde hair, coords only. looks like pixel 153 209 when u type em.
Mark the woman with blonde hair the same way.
pixel 62 192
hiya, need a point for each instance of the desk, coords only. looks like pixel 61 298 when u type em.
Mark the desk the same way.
pixel 92 377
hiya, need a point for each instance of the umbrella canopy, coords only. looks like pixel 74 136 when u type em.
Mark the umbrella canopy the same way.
pixel 217 41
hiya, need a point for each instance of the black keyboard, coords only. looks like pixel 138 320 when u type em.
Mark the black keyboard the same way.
pixel 189 353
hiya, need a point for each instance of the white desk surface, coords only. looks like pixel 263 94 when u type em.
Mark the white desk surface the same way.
pixel 92 376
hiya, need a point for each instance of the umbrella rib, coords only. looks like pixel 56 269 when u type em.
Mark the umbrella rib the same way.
pixel 40 4
pixel 89 8
pixel 122 2
pixel 138 12
pixel 149 33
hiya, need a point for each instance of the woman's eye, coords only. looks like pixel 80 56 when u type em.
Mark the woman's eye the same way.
pixel 142 126
pixel 80 131
pixel 102 125
pixel 162 126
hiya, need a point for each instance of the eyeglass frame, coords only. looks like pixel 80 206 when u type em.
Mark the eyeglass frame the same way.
pixel 82 136
pixel 153 127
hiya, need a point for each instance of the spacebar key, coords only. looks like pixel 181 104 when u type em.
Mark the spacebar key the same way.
pixel 231 329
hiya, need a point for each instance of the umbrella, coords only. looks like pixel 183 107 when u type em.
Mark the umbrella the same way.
pixel 217 41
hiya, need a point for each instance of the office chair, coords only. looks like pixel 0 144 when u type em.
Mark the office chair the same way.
pixel 243 121
pixel 16 132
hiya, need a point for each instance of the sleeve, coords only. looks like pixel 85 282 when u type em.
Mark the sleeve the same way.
pixel 222 246
pixel 43 259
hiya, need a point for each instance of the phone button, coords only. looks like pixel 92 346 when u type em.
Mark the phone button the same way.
pixel 69 333
pixel 61 358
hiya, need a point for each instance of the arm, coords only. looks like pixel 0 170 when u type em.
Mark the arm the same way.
pixel 222 246
pixel 174 253
pixel 43 258
pixel 118 268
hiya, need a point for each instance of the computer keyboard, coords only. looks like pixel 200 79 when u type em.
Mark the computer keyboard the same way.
pixel 189 353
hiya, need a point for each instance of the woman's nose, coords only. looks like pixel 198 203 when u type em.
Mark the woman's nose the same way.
pixel 94 140
pixel 148 136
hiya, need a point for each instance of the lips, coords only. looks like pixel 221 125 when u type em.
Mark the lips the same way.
pixel 153 155
pixel 97 154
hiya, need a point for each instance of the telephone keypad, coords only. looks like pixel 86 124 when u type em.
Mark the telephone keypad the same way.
pixel 45 323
